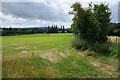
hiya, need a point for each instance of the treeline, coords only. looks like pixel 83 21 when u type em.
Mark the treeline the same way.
pixel 55 29
pixel 20 31
pixel 113 30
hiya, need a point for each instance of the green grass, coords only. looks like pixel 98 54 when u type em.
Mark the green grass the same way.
pixel 77 66
pixel 111 58
pixel 18 61
pixel 35 42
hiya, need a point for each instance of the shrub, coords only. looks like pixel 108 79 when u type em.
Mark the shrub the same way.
pixel 79 43
pixel 101 47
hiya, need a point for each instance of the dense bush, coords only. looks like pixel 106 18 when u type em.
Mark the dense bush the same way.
pixel 79 43
pixel 101 48
pixel 110 49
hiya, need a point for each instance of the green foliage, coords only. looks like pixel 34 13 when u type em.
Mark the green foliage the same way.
pixel 102 48
pixel 79 43
pixel 114 29
pixel 110 49
pixel 53 29
pixel 114 50
pixel 91 25
pixel 82 22
pixel 101 16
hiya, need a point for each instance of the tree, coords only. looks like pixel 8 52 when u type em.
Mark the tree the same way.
pixel 91 23
pixel 48 29
pixel 10 28
pixel 51 30
pixel 82 22
pixel 56 29
pixel 102 19
pixel 63 29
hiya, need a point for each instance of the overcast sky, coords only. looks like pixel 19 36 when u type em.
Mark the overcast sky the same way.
pixel 41 13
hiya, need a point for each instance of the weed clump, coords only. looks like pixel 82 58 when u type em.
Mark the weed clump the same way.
pixel 102 48
pixel 105 48
pixel 79 43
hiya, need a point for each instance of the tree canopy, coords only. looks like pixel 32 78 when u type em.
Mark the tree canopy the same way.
pixel 90 26
pixel 91 23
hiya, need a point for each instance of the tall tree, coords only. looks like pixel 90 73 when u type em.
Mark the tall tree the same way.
pixel 63 30
pixel 91 21
pixel 102 19
pixel 48 29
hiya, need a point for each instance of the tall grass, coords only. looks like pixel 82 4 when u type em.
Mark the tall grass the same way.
pixel 18 61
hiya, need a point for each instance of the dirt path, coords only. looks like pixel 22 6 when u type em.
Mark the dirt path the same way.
pixel 110 70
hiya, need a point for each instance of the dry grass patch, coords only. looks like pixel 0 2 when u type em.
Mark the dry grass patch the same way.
pixel 21 55
pixel 24 47
pixel 54 56
pixel 106 68
pixel 14 44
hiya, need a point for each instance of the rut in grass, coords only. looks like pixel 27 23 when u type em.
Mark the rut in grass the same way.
pixel 100 65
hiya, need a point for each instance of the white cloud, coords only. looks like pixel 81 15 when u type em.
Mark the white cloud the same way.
pixel 44 12
pixel 30 10
pixel 10 21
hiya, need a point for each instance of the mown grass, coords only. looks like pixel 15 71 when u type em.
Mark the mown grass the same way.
pixel 35 42
pixel 19 61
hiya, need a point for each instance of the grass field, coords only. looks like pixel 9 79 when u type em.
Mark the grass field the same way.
pixel 51 56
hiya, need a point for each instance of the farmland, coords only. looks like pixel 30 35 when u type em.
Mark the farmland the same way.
pixel 51 56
